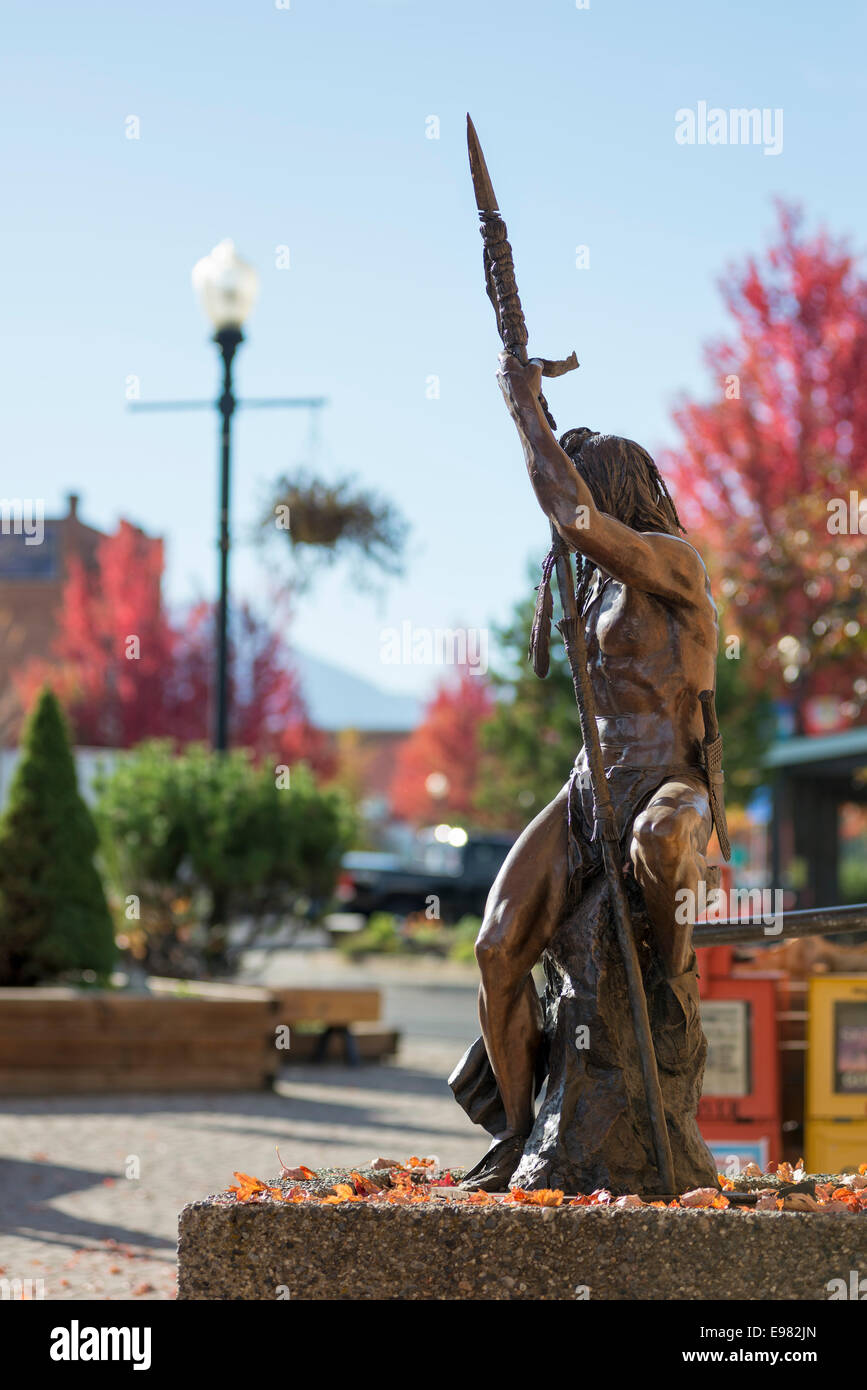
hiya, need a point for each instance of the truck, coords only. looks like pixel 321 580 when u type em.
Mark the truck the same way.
pixel 447 873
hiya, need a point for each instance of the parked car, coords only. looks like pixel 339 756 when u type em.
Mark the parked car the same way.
pixel 449 873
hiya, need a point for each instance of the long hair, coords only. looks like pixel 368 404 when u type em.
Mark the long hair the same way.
pixel 624 482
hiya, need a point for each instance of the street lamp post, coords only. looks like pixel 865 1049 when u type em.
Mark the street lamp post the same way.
pixel 227 288
pixel 229 339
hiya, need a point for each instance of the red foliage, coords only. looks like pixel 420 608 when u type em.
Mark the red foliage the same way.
pixel 126 672
pixel 446 742
pixel 267 708
pixel 756 471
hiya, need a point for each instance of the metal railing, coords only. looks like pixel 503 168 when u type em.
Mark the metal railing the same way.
pixel 810 921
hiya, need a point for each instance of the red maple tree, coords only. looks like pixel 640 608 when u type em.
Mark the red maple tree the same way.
pixel 126 671
pixel 268 714
pixel 443 755
pixel 763 470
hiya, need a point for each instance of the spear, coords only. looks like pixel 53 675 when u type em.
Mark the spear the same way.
pixel 503 293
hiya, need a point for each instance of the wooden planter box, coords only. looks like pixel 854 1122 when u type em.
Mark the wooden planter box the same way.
pixel 56 1040
pixel 185 1036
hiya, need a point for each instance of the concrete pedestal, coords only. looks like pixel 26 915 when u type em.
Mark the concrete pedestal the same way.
pixel 448 1249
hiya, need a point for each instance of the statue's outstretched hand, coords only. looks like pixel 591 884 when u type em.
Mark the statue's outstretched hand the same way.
pixel 520 383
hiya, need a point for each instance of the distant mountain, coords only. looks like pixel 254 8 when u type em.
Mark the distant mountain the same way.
pixel 336 699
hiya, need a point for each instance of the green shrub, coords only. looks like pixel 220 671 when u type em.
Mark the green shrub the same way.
pixel 424 936
pixel 853 880
pixel 54 919
pixel 380 935
pixel 203 839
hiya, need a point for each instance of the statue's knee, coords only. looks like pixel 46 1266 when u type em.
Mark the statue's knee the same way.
pixel 660 839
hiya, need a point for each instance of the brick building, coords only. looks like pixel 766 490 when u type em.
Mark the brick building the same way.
pixel 32 576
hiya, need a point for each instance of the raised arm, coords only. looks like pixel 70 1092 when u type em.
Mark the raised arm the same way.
pixel 656 563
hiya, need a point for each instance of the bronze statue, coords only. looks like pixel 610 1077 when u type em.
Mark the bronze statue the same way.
pixel 619 1037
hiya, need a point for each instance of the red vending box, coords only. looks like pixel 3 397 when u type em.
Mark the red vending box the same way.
pixel 739 1113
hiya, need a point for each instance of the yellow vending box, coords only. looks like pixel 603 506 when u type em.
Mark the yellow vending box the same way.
pixel 836 1108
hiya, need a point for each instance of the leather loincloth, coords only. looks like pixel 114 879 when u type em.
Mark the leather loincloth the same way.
pixel 631 789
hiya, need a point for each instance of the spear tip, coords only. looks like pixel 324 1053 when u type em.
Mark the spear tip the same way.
pixel 486 200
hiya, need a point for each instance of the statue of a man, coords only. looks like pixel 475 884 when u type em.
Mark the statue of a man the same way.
pixel 651 633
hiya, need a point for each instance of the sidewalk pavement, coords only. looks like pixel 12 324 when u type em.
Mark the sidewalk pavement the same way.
pixel 71 1218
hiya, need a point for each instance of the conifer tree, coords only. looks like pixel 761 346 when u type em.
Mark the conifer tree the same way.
pixel 54 917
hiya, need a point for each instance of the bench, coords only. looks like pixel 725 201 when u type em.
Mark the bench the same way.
pixel 182 1036
pixel 342 1019
pixel 324 1021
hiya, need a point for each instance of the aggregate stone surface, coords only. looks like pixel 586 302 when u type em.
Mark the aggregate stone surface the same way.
pixel 450 1249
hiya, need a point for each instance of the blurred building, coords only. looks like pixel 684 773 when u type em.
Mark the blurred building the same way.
pixel 815 781
pixel 367 726
pixel 33 571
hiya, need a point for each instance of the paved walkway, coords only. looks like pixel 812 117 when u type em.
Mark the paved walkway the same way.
pixel 72 1218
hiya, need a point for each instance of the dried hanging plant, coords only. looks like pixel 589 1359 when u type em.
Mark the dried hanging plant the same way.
pixel 324 522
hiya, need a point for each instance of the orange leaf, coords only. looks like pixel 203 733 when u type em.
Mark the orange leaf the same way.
pixel 363 1186
pixel 249 1188
pixel 247 1181
pixel 343 1192
pixel 294 1173
pixel 549 1197
pixel 600 1198
pixel 544 1197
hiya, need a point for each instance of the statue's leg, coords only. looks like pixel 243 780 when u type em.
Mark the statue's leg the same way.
pixel 669 841
pixel 523 911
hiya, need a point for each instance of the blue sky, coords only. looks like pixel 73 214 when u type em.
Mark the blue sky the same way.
pixel 307 127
